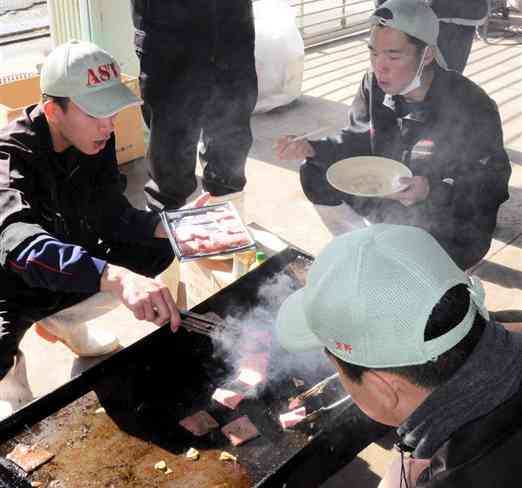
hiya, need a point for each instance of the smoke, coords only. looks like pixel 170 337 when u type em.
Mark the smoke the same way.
pixel 249 337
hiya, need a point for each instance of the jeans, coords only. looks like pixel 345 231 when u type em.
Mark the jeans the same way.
pixel 455 43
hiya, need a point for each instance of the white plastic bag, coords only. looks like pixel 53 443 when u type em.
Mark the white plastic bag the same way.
pixel 279 53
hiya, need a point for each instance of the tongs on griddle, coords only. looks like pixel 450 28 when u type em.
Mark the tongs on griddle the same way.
pixel 195 322
pixel 316 413
pixel 314 391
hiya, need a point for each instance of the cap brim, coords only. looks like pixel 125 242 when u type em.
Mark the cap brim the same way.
pixel 292 330
pixel 107 102
pixel 439 57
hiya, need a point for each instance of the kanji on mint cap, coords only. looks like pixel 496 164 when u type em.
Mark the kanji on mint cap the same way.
pixel 89 76
pixel 368 297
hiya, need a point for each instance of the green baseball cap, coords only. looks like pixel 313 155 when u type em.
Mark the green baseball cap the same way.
pixel 89 76
pixel 369 295
pixel 413 17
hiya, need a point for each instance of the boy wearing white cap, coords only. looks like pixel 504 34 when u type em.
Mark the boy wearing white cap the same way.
pixel 71 245
pixel 439 124
pixel 409 334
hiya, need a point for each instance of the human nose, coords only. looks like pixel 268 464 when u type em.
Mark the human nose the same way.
pixel 106 124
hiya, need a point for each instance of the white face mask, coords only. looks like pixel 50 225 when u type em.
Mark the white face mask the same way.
pixel 416 81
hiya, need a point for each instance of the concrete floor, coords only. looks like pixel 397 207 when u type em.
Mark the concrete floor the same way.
pixel 275 201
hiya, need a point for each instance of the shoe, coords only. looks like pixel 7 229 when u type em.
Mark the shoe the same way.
pixel 78 337
pixel 69 326
pixel 14 388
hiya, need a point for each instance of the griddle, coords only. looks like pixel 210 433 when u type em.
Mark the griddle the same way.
pixel 146 388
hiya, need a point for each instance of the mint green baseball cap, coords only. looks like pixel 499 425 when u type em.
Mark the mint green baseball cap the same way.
pixel 412 17
pixel 89 76
pixel 369 295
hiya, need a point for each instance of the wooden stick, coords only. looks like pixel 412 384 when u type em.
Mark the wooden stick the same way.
pixel 310 134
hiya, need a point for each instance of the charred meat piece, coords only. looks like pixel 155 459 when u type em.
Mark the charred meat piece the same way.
pixel 240 430
pixel 199 424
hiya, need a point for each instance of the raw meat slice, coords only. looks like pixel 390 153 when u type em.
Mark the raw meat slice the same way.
pixel 222 241
pixel 240 430
pixel 200 232
pixel 250 377
pixel 184 233
pixel 224 216
pixel 237 240
pixel 234 229
pixel 189 248
pixel 200 423
pixel 229 398
pixel 289 419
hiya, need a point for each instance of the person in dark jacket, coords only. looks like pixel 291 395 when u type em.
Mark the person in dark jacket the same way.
pixel 409 335
pixel 198 81
pixel 438 123
pixel 69 239
pixel 458 22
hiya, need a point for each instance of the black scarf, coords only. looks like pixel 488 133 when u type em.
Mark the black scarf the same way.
pixel 490 376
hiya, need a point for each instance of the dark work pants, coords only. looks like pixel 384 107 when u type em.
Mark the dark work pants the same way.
pixel 185 98
pixel 21 306
pixel 455 43
pixel 467 242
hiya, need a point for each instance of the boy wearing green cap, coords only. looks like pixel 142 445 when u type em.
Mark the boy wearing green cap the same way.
pixel 71 244
pixel 409 334
pixel 438 123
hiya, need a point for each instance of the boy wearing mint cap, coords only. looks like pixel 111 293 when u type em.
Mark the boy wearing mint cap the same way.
pixel 409 334
pixel 71 245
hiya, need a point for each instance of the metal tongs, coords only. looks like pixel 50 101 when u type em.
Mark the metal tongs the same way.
pixel 316 413
pixel 195 322
pixel 314 391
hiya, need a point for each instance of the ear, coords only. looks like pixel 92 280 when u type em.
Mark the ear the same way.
pixel 428 56
pixel 52 111
pixel 383 388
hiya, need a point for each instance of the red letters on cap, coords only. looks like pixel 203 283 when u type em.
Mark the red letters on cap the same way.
pixel 343 347
pixel 102 73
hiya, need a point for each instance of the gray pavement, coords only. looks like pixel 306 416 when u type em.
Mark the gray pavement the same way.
pixel 275 201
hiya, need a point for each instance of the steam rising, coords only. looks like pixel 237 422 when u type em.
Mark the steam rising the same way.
pixel 237 341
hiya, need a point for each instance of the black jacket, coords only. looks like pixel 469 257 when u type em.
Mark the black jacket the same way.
pixel 58 212
pixel 484 453
pixel 454 138
pixel 213 30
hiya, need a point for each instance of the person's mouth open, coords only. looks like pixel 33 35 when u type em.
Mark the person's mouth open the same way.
pixel 100 143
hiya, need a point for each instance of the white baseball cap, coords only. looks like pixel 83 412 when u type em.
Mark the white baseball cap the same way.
pixel 369 295
pixel 89 76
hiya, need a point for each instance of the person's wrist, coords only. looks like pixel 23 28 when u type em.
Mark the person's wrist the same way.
pixel 111 278
pixel 309 150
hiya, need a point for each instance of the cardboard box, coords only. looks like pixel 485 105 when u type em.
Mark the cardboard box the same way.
pixel 203 278
pixel 130 135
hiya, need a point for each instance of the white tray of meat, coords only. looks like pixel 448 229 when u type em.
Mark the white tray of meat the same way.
pixel 213 230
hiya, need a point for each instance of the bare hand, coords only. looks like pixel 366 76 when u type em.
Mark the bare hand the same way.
pixel 147 298
pixel 417 190
pixel 287 149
